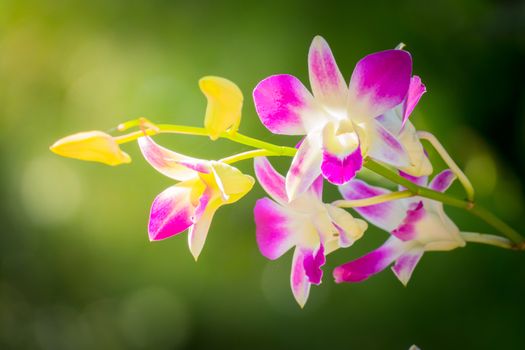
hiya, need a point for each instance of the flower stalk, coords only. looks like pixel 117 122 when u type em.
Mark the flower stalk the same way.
pixel 151 128
pixel 467 185
pixel 373 200
pixel 247 155
pixel 268 149
pixel 493 240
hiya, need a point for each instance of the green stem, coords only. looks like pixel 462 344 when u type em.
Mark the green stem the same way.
pixel 181 129
pixel 499 225
pixel 250 141
pixel 197 131
pixel 372 200
pixel 415 189
pixel 134 135
pixel 236 137
pixel 247 155
pixel 480 212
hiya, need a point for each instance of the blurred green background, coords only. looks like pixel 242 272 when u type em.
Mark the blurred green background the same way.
pixel 76 268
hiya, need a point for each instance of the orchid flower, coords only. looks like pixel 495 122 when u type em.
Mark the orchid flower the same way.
pixel 224 105
pixel 339 121
pixel 416 225
pixel 190 204
pixel 94 146
pixel 397 123
pixel 314 228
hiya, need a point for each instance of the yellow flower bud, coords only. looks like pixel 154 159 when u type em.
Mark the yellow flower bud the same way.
pixel 224 105
pixel 95 146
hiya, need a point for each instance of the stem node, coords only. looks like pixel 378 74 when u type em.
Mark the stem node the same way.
pixel 519 246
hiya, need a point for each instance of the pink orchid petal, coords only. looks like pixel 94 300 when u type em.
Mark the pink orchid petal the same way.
pixel 327 82
pixel 406 264
pixel 305 168
pixel 313 261
pixel 442 181
pixel 407 230
pixel 199 230
pixel 386 215
pixel 416 89
pixel 171 213
pixel 380 82
pixel 385 147
pixel 284 105
pixel 370 264
pixel 317 188
pixel 171 164
pixel 272 228
pixel 341 169
pixel 270 180
pixel 200 166
pixel 418 180
pixel 298 278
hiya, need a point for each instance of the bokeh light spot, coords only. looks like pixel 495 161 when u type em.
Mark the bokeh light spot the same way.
pixel 481 170
pixel 51 191
pixel 154 318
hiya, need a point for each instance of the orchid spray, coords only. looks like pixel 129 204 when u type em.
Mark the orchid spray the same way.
pixel 347 126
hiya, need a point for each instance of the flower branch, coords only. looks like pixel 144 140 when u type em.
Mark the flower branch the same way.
pixel 269 149
pixel 344 127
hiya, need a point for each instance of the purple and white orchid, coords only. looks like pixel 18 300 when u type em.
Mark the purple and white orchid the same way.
pixel 416 225
pixel 314 228
pixel 342 123
pixel 190 204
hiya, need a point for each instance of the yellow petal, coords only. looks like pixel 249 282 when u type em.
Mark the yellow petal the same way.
pixel 230 182
pixel 224 105
pixel 95 146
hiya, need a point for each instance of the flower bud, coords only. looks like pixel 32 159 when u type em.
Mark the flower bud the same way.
pixel 224 105
pixel 94 146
